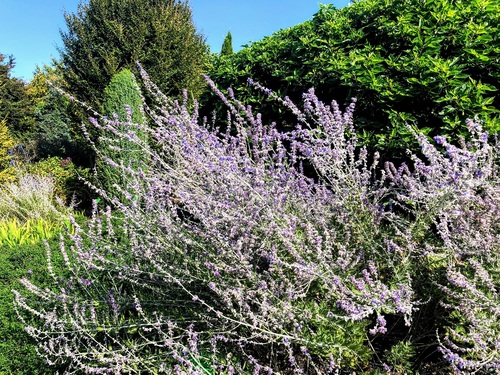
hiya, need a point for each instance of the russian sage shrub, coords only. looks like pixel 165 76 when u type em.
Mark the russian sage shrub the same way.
pixel 224 256
pixel 457 195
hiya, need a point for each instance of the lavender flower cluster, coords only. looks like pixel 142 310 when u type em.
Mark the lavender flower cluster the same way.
pixel 224 255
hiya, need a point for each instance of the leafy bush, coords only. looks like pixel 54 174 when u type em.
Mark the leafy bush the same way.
pixel 56 131
pixel 224 257
pixel 431 64
pixel 54 135
pixel 7 143
pixel 66 178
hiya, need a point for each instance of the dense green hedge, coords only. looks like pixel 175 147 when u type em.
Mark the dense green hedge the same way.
pixel 17 352
pixel 430 63
pixel 26 259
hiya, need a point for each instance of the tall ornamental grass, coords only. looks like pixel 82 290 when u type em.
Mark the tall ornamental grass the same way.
pixel 261 252
pixel 32 197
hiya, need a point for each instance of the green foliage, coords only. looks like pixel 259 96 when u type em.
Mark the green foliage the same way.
pixel 24 255
pixel 14 233
pixel 123 91
pixel 399 357
pixel 57 130
pixel 59 148
pixel 340 339
pixel 431 64
pixel 6 144
pixel 15 105
pixel 66 177
pixel 227 45
pixel 38 87
pixel 105 36
pixel 17 350
pixel 122 102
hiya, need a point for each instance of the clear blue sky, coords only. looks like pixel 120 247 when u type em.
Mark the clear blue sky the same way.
pixel 30 28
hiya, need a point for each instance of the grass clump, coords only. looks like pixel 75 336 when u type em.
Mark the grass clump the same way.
pixel 31 198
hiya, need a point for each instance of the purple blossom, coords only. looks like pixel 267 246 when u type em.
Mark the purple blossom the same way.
pixel 221 251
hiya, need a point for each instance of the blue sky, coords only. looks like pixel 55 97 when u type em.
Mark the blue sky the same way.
pixel 30 28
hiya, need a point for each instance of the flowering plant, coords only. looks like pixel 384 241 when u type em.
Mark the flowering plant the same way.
pixel 265 252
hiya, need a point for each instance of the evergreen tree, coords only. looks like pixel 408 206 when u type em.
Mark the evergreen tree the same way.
pixel 123 108
pixel 122 91
pixel 105 36
pixel 227 46
pixel 15 106
pixel 54 132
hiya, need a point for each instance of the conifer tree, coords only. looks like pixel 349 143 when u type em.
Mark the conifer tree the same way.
pixel 121 92
pixel 54 132
pixel 227 46
pixel 105 36
pixel 15 106
pixel 123 107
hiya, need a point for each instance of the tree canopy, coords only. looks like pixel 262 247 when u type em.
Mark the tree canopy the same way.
pixel 105 36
